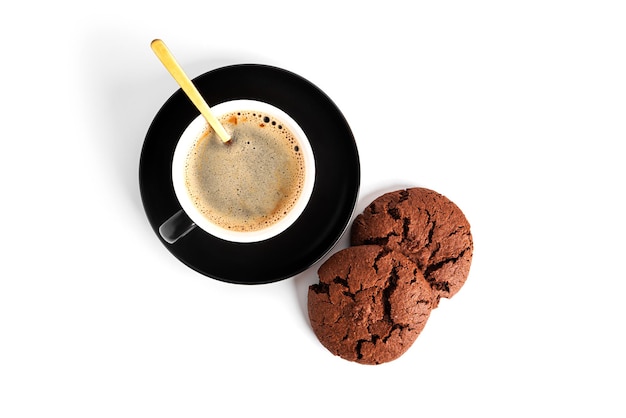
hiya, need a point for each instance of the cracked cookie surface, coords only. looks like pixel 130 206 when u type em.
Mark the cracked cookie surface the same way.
pixel 370 304
pixel 426 227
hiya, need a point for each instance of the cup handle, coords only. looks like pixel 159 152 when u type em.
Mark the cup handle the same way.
pixel 176 227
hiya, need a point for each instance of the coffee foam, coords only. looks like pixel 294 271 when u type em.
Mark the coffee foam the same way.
pixel 251 182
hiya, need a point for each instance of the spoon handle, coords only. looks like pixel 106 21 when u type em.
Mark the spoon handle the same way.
pixel 170 63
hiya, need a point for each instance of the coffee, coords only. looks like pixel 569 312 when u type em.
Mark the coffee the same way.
pixel 253 181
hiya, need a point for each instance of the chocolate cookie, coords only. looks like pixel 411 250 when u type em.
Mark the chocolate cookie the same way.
pixel 426 227
pixel 369 305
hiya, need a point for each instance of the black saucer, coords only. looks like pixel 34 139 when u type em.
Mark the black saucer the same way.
pixel 336 184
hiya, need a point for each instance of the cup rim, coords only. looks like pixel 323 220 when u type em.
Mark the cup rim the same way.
pixel 197 128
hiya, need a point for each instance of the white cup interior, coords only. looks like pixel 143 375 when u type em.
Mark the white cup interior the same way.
pixel 197 128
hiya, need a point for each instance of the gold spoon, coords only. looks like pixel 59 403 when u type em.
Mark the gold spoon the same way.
pixel 168 60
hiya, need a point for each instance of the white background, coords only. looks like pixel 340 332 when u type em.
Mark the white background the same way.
pixel 514 110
